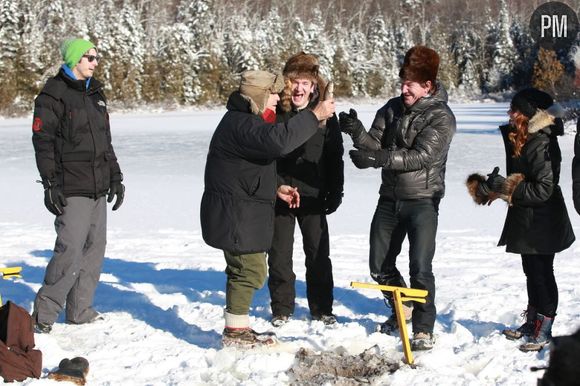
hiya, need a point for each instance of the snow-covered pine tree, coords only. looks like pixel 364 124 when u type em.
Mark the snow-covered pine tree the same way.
pixel 503 53
pixel 383 77
pixel 10 38
pixel 127 53
pixel 465 47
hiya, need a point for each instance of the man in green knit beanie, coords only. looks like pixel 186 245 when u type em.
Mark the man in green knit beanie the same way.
pixel 80 174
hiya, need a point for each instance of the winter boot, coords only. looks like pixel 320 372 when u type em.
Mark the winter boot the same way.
pixel 327 319
pixel 246 338
pixel 279 320
pixel 391 326
pixel 71 370
pixel 422 341
pixel 541 335
pixel 526 329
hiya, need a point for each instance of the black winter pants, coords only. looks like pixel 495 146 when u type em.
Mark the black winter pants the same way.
pixel 541 283
pixel 281 280
pixel 391 222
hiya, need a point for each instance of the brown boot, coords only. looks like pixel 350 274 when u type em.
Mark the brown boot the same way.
pixel 246 338
pixel 526 329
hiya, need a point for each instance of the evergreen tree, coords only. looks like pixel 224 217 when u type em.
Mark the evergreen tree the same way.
pixel 10 33
pixel 500 75
pixel 547 71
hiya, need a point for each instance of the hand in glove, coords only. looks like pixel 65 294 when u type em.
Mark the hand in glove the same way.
pixel 54 198
pixel 332 201
pixel 495 181
pixel 350 124
pixel 116 189
pixel 363 159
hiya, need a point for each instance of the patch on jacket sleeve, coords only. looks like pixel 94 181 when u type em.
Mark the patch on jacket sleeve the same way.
pixel 37 124
pixel 102 103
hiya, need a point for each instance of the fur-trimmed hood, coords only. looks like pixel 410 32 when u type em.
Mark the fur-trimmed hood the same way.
pixel 545 118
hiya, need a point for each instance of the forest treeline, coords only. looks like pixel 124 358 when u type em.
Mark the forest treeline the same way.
pixel 191 52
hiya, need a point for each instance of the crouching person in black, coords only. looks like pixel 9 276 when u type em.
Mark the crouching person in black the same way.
pixel 237 207
pixel 78 167
pixel 316 169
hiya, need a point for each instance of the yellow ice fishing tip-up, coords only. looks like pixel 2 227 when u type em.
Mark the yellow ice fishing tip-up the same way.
pixel 400 295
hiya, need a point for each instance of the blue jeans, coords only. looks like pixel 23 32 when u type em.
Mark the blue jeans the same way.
pixel 392 221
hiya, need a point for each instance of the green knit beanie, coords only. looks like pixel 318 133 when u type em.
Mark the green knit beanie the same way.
pixel 72 51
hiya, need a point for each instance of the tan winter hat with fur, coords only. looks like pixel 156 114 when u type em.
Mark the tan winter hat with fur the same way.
pixel 258 85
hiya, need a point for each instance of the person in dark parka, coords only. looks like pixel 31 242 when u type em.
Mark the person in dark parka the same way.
pixel 537 224
pixel 576 160
pixel 78 166
pixel 316 169
pixel 237 207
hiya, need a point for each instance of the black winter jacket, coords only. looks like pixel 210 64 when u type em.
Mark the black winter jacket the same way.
pixel 576 169
pixel 237 207
pixel 316 168
pixel 72 137
pixel 418 138
pixel 537 221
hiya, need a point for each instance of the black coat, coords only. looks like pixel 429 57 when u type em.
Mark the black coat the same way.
pixel 237 207
pixel 72 137
pixel 576 169
pixel 537 221
pixel 418 138
pixel 316 168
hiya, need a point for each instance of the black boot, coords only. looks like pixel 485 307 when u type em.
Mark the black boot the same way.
pixel 542 334
pixel 526 329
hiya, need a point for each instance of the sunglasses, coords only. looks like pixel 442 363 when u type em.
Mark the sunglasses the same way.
pixel 91 58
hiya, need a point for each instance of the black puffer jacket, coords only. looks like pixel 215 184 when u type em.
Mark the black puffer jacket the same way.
pixel 537 221
pixel 316 168
pixel 72 137
pixel 237 207
pixel 418 138
pixel 576 169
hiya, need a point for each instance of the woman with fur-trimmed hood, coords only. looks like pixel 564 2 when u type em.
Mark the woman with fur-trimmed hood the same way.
pixel 537 224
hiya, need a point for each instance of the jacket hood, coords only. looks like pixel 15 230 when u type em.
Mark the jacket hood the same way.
pixel 549 120
pixel 239 102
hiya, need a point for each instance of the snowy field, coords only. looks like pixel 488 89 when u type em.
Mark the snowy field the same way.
pixel 162 289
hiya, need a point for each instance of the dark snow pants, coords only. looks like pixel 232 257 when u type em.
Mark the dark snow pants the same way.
pixel 281 280
pixel 418 219
pixel 541 283
pixel 73 273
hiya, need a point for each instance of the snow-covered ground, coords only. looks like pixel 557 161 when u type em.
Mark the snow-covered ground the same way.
pixel 162 288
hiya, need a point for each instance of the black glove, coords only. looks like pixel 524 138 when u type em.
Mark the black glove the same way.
pixel 116 189
pixel 363 159
pixel 54 198
pixel 350 124
pixel 332 201
pixel 495 181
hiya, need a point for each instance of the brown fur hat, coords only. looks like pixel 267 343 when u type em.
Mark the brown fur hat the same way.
pixel 420 65
pixel 300 66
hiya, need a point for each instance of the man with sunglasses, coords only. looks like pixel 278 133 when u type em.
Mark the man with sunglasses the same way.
pixel 79 170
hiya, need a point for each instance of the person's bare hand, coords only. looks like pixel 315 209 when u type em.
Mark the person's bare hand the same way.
pixel 324 109
pixel 289 195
